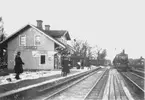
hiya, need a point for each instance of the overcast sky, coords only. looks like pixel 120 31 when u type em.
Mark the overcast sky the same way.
pixel 109 24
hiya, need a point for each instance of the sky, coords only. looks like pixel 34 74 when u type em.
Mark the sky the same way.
pixel 109 24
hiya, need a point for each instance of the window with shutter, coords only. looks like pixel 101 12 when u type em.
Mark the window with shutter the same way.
pixel 22 40
pixel 37 40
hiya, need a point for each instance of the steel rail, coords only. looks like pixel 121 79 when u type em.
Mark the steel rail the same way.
pixel 27 88
pixel 121 90
pixel 138 71
pixel 65 81
pixel 63 89
pixel 137 75
pixel 134 83
pixel 95 85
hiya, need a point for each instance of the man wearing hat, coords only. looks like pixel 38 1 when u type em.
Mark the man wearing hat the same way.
pixel 18 65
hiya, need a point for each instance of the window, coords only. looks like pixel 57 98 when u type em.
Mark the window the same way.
pixel 42 59
pixel 22 40
pixel 37 40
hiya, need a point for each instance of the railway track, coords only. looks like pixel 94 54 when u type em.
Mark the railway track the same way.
pixel 136 82
pixel 142 77
pixel 29 92
pixel 104 84
pixel 96 92
pixel 139 72
pixel 77 90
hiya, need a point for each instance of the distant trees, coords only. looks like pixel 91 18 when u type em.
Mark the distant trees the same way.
pixel 87 53
pixel 82 51
pixel 100 54
pixel 101 57
pixel 2 50
pixel 2 33
pixel 2 38
pixel 63 51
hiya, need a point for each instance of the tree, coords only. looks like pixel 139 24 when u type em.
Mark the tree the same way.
pixel 82 51
pixel 63 51
pixel 103 54
pixel 2 38
pixel 100 55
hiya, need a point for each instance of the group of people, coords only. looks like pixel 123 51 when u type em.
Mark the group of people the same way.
pixel 80 65
pixel 66 65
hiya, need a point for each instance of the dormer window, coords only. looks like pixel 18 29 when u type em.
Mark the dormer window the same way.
pixel 22 40
pixel 37 40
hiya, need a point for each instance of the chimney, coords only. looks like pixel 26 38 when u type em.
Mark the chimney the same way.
pixel 39 24
pixel 47 27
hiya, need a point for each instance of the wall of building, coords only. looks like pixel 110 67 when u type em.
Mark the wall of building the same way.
pixel 29 54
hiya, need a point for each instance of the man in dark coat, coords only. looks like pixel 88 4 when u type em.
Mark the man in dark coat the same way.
pixel 65 66
pixel 18 65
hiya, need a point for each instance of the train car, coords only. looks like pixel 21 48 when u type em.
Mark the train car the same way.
pixel 121 62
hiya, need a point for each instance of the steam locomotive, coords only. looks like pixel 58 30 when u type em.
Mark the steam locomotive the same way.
pixel 121 62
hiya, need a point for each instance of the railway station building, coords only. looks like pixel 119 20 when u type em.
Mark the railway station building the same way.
pixel 37 46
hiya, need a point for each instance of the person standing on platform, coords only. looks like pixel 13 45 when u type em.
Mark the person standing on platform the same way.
pixel 65 66
pixel 82 64
pixel 89 65
pixel 18 68
pixel 70 64
pixel 78 65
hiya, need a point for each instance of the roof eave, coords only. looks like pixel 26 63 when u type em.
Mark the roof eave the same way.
pixel 6 40
pixel 67 35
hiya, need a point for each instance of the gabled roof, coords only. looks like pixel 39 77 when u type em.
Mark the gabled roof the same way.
pixel 15 34
pixel 58 33
pixel 27 27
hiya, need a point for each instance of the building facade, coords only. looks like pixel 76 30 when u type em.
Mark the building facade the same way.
pixel 37 46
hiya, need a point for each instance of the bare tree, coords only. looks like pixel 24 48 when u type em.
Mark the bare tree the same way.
pixel 82 51
pixel 96 52
pixel 99 54
pixel 3 51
